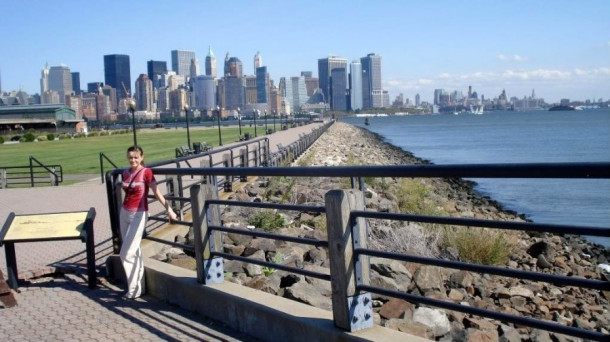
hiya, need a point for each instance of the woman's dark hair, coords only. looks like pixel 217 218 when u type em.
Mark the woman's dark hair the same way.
pixel 136 148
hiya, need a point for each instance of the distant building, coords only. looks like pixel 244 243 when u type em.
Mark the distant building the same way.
pixel 44 80
pixel 76 83
pixel 194 68
pixel 155 68
pixel 355 85
pixel 60 80
pixel 325 67
pixel 372 92
pixel 235 67
pixel 296 92
pixel 181 62
pixel 234 92
pixel 262 85
pixel 144 94
pixel 117 74
pixel 251 92
pixel 210 64
pixel 385 99
pixel 338 89
pixel 258 61
pixel 311 83
pixel 417 100
pixel 111 93
pixel 94 87
pixel 55 116
pixel 204 90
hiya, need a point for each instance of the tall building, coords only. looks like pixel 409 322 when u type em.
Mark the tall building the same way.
pixel 234 92
pixel 310 82
pixel 251 95
pixel 372 92
pixel 325 67
pixel 338 80
pixel 210 64
pixel 262 85
pixel 258 61
pixel 226 65
pixel 144 93
pixel 76 83
pixel 60 80
pixel 94 87
pixel 204 90
pixel 295 92
pixel 235 67
pixel 111 93
pixel 155 68
pixel 417 100
pixel 117 74
pixel 181 62
pixel 355 85
pixel 44 79
pixel 194 68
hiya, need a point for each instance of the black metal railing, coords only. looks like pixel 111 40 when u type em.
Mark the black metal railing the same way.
pixel 36 173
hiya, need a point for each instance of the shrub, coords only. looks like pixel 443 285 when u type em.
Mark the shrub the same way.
pixel 1 140
pixel 267 220
pixel 50 136
pixel 278 258
pixel 28 137
pixel 80 135
pixel 65 136
pixel 104 133
pixel 42 138
pixel 481 245
pixel 413 198
pixel 411 239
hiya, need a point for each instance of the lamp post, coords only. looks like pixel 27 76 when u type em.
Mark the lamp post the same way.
pixel 254 112
pixel 188 133
pixel 274 120
pixel 131 104
pixel 239 122
pixel 266 130
pixel 219 134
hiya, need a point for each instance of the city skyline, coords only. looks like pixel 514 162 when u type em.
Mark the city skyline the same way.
pixel 561 51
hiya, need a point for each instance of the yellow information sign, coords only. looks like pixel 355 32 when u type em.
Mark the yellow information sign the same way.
pixel 47 226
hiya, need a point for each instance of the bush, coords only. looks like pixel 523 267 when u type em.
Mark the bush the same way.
pixel 481 245
pixel 28 137
pixel 42 138
pixel 80 135
pixel 1 140
pixel 51 136
pixel 104 133
pixel 413 198
pixel 267 220
pixel 65 136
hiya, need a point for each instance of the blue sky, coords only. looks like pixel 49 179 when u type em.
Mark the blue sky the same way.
pixel 559 48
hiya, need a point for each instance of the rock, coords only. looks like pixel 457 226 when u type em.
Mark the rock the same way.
pixel 233 266
pixel 253 270
pixel 234 250
pixel 540 247
pixel 306 293
pixel 460 279
pixel 188 263
pixel 538 335
pixel 543 263
pixel 509 334
pixel 266 245
pixel 428 278
pixel 521 291
pixel 455 295
pixel 473 335
pixel 316 255
pixel 265 284
pixel 411 328
pixel 434 319
pixel 480 324
pixel 394 308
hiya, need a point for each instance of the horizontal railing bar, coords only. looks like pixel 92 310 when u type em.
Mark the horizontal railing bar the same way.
pixel 511 225
pixel 530 322
pixel 174 244
pixel 539 170
pixel 272 265
pixel 182 223
pixel 308 208
pixel 305 241
pixel 549 278
pixel 177 198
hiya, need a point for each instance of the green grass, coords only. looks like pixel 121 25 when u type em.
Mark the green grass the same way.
pixel 81 156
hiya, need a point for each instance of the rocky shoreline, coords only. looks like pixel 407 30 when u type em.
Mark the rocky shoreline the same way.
pixel 344 144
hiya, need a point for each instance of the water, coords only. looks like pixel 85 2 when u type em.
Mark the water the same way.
pixel 517 137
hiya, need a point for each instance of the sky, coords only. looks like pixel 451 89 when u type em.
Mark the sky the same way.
pixel 560 49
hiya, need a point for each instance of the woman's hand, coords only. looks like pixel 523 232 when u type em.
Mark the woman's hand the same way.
pixel 171 214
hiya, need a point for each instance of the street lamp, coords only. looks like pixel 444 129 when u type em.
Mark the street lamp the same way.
pixel 188 133
pixel 219 134
pixel 131 104
pixel 239 122
pixel 273 120
pixel 254 112
pixel 266 130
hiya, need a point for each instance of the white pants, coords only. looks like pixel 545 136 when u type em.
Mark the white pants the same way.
pixel 132 228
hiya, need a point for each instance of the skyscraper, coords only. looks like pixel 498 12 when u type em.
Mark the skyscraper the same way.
pixel 417 100
pixel 372 92
pixel 235 67
pixel 258 61
pixel 234 92
pixel 194 68
pixel 155 68
pixel 181 62
pixel 338 80
pixel 144 93
pixel 262 82
pixel 296 91
pixel 205 92
pixel 210 64
pixel 60 80
pixel 117 74
pixel 355 83
pixel 76 83
pixel 44 79
pixel 325 67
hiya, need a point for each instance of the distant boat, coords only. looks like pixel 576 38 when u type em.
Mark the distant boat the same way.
pixel 366 121
pixel 477 111
pixel 560 108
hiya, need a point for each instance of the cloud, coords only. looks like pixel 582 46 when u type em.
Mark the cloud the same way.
pixel 514 58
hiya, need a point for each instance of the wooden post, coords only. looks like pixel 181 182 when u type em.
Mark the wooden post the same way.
pixel 351 309
pixel 209 270
pixel 243 156
pixel 205 164
pixel 227 161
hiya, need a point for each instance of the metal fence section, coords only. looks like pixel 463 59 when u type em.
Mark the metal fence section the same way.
pixel 36 173
pixel 347 216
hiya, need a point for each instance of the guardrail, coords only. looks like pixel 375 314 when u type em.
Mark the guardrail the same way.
pixel 36 173
pixel 347 234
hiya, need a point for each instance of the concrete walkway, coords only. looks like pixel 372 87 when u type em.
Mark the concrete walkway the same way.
pixel 63 308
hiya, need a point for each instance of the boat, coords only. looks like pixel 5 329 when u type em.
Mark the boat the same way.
pixel 560 108
pixel 477 111
pixel 366 121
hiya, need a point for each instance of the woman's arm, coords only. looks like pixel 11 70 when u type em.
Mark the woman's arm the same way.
pixel 159 196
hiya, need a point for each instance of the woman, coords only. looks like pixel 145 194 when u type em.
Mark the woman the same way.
pixel 134 213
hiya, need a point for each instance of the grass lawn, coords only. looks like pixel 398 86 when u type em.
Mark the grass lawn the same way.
pixel 82 155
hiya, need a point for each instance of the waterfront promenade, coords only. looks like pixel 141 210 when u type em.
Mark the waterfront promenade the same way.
pixel 63 308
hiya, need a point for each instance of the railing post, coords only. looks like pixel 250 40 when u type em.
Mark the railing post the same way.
pixel 209 270
pixel 3 181
pixel 256 160
pixel 243 156
pixel 205 164
pixel 53 177
pixel 172 186
pixel 31 173
pixel 351 310
pixel 226 161
pixel 102 167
